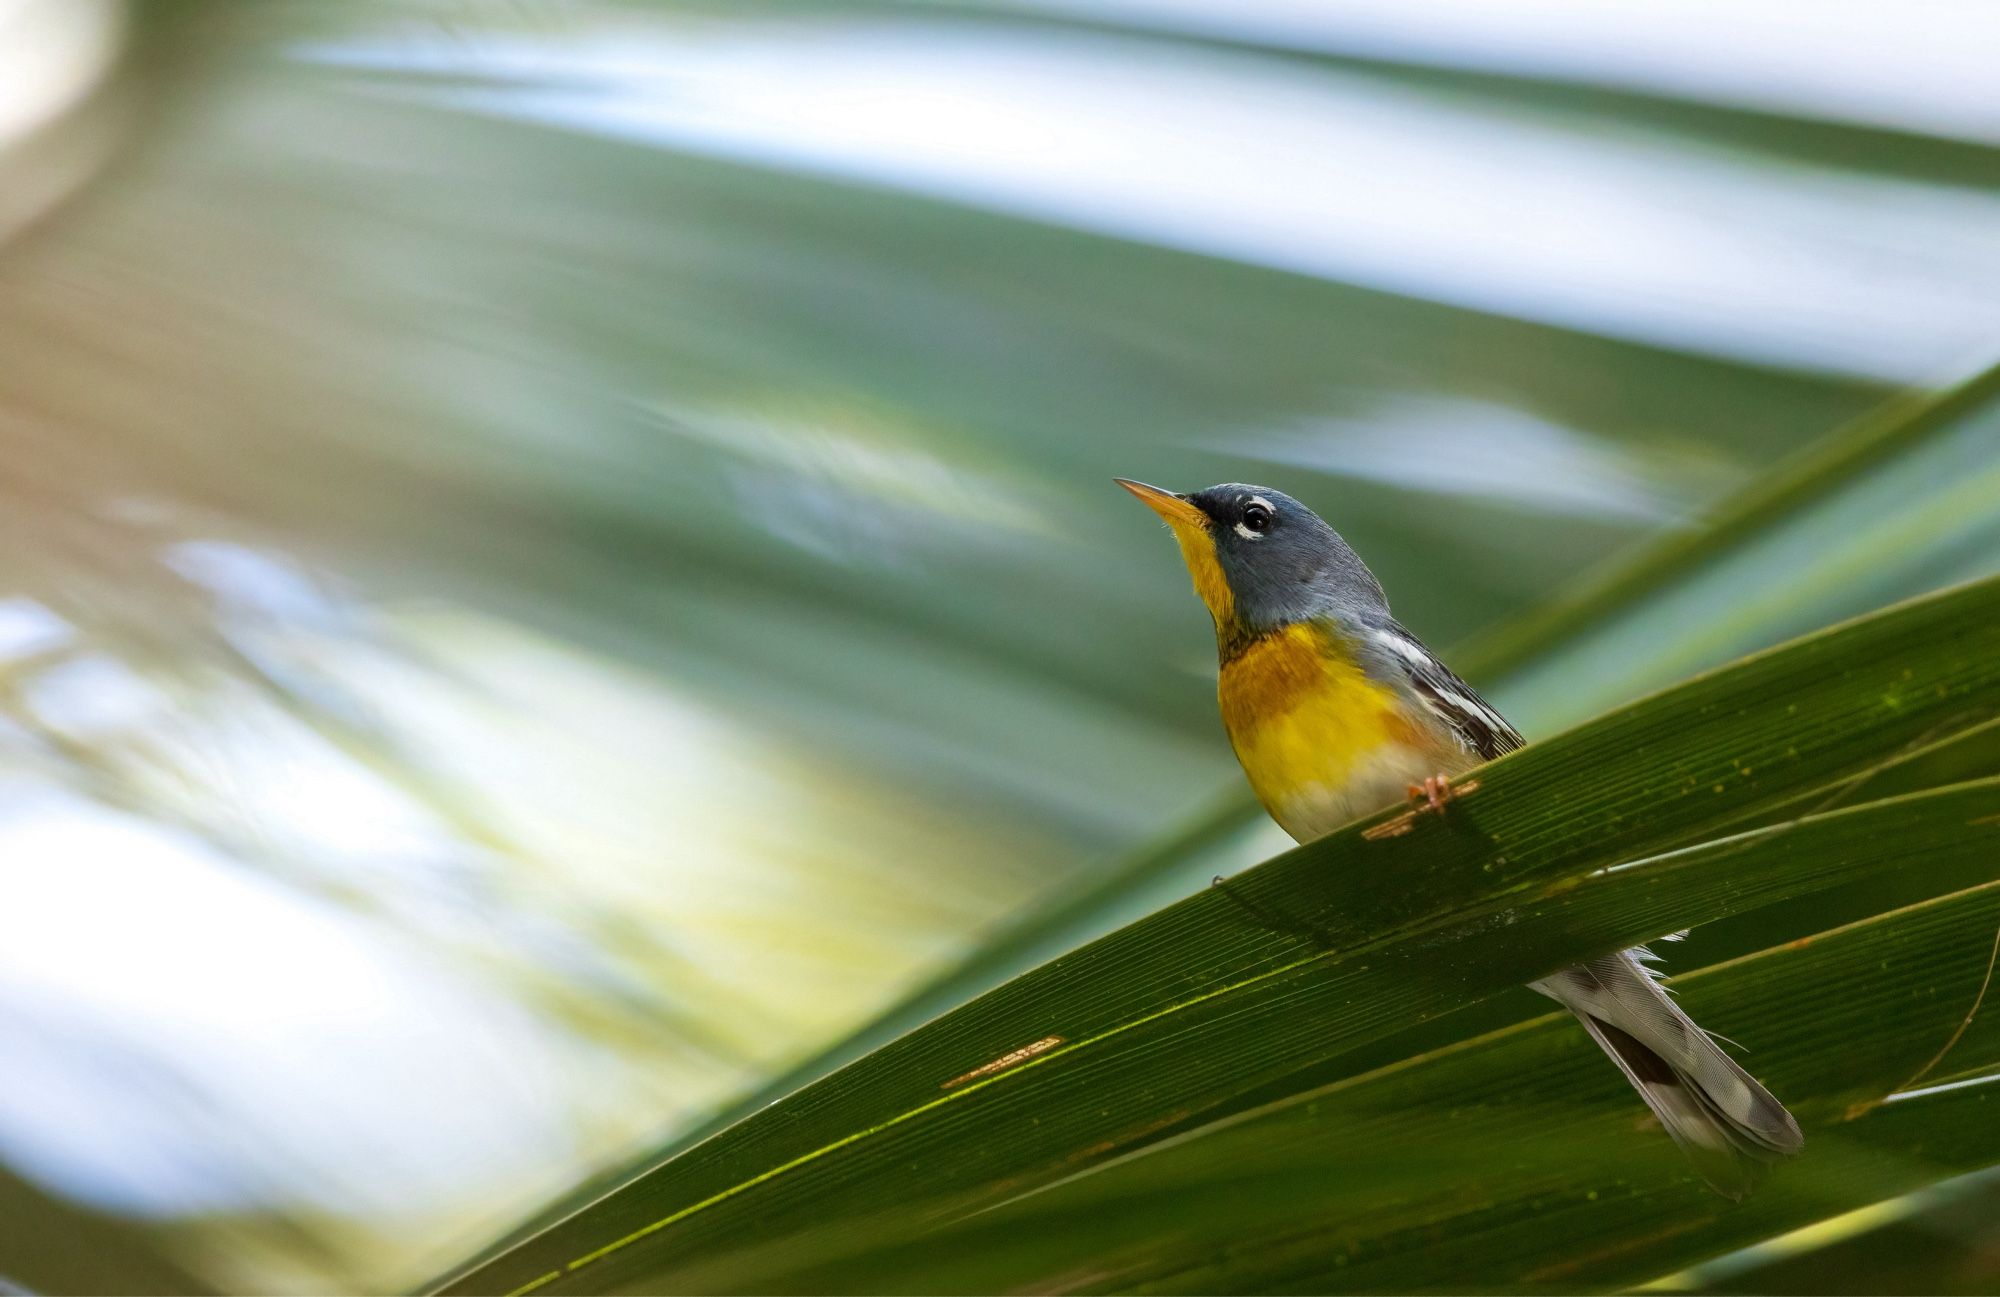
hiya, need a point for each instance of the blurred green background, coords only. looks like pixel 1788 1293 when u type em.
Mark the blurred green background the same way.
pixel 559 560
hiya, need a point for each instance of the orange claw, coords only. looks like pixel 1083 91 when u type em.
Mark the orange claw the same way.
pixel 1437 790
pixel 1430 795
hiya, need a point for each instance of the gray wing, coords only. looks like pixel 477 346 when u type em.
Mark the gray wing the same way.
pixel 1482 731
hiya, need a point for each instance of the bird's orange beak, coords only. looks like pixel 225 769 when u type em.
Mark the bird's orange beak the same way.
pixel 1191 529
pixel 1176 509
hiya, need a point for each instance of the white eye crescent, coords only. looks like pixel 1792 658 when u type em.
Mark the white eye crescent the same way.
pixel 1256 520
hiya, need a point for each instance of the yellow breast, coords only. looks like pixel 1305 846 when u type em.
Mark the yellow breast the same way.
pixel 1320 741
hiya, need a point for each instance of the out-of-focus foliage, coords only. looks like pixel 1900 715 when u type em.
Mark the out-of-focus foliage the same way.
pixel 557 558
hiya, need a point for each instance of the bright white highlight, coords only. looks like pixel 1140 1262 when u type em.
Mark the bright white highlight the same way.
pixel 1924 65
pixel 120 939
pixel 1483 450
pixel 1626 234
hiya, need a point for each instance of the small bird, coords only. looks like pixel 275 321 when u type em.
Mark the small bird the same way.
pixel 1336 711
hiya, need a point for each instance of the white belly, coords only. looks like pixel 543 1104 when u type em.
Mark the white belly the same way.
pixel 1384 780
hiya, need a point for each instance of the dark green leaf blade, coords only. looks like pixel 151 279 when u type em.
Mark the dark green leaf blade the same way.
pixel 1096 1051
pixel 1515 1160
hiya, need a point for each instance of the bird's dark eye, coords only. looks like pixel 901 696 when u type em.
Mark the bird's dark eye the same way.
pixel 1256 517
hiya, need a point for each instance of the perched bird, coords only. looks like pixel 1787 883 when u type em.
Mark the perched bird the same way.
pixel 1336 712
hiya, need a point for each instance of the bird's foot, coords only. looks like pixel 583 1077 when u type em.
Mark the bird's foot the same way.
pixel 1435 792
pixel 1431 797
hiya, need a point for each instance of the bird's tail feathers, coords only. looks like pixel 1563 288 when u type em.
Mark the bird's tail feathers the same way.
pixel 1729 1125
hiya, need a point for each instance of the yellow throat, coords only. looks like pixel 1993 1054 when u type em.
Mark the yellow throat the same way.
pixel 1190 528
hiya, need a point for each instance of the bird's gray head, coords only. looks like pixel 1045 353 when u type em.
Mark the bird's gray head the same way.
pixel 1261 560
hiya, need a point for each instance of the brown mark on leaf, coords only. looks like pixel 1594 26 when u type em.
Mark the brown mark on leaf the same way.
pixel 1395 828
pixel 1005 1061
pixel 1571 1265
pixel 1129 1136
